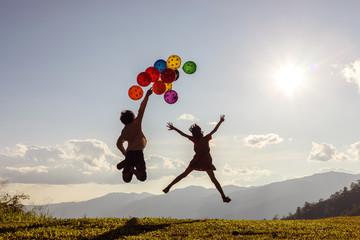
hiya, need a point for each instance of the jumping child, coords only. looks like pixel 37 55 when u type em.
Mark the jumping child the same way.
pixel 202 160
pixel 134 162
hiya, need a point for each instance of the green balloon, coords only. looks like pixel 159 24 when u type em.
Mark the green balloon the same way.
pixel 189 67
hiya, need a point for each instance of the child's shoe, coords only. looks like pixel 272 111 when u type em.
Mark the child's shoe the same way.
pixel 120 165
pixel 226 199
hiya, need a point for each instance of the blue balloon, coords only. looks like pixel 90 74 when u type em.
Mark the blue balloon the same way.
pixel 160 64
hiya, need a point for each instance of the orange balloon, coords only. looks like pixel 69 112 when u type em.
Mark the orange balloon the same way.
pixel 159 87
pixel 135 92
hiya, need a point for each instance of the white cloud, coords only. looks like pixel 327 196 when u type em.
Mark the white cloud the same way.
pixel 93 153
pixel 245 174
pixel 326 152
pixel 322 152
pixel 38 169
pixel 355 151
pixel 77 161
pixel 334 169
pixel 260 141
pixel 163 166
pixel 187 117
pixel 18 151
pixel 352 73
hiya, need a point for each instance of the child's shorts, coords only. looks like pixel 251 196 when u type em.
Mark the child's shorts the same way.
pixel 134 159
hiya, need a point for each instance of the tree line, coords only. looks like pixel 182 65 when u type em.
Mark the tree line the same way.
pixel 345 202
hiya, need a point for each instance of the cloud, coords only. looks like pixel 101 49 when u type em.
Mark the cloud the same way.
pixel 187 117
pixel 92 154
pixel 325 152
pixel 260 141
pixel 75 162
pixel 254 172
pixel 355 151
pixel 352 73
pixel 163 166
pixel 38 169
pixel 18 151
pixel 336 169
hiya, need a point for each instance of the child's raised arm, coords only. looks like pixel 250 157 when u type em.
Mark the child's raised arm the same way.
pixel 143 104
pixel 171 127
pixel 222 118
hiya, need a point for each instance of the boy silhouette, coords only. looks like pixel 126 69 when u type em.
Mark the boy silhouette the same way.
pixel 134 163
pixel 202 160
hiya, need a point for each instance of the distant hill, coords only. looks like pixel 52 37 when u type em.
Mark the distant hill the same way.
pixel 342 203
pixel 263 202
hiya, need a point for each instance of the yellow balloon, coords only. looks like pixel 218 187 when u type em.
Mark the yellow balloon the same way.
pixel 173 62
pixel 168 86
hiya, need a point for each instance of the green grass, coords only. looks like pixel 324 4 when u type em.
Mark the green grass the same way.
pixel 165 228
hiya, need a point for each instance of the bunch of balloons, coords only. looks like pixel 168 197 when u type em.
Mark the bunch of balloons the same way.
pixel 161 75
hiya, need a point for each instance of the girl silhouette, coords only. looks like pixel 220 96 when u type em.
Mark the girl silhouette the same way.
pixel 202 160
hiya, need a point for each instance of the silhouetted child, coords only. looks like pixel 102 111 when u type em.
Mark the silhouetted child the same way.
pixel 202 160
pixel 134 162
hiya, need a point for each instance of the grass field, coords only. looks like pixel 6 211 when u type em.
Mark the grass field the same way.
pixel 165 228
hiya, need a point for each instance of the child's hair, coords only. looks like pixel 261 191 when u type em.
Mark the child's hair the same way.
pixel 196 131
pixel 127 116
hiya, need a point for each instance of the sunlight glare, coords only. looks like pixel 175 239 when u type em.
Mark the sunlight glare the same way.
pixel 289 78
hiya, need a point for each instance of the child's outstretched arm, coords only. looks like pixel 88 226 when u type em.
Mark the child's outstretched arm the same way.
pixel 144 103
pixel 222 118
pixel 171 127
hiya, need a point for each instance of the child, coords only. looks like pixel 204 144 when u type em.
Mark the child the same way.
pixel 134 162
pixel 202 160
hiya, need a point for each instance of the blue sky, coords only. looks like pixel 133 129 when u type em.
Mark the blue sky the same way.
pixel 66 66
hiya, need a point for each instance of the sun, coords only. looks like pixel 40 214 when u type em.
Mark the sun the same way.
pixel 289 78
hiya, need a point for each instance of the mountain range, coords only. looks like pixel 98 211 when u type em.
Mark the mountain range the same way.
pixel 194 202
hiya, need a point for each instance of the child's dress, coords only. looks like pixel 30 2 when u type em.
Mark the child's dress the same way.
pixel 202 160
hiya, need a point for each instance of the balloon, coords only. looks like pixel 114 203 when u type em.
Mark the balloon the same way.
pixel 168 75
pixel 171 97
pixel 135 92
pixel 173 62
pixel 154 73
pixel 159 87
pixel 144 79
pixel 189 67
pixel 177 74
pixel 168 86
pixel 160 64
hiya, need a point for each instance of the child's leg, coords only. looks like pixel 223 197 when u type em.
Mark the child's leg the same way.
pixel 215 181
pixel 127 174
pixel 217 185
pixel 177 179
pixel 140 167
pixel 140 171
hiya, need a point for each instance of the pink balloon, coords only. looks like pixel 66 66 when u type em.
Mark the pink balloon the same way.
pixel 171 97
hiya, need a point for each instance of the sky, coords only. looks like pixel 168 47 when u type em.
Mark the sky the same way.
pixel 286 74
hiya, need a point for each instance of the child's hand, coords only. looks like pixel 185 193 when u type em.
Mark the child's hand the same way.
pixel 149 92
pixel 222 118
pixel 170 126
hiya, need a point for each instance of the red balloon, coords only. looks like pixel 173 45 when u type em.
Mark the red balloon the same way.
pixel 144 79
pixel 154 73
pixel 168 75
pixel 159 87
